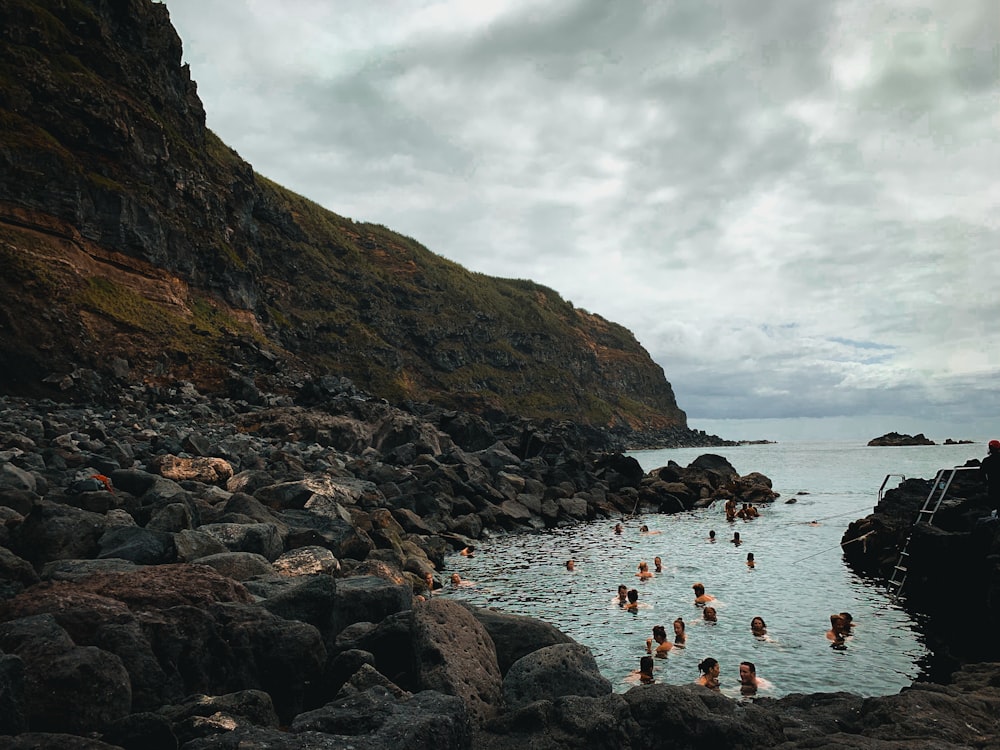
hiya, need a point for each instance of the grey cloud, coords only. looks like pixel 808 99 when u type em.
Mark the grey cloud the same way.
pixel 749 187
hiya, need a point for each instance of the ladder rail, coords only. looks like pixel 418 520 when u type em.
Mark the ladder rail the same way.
pixel 940 487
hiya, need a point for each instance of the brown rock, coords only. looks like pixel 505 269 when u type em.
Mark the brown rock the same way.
pixel 209 470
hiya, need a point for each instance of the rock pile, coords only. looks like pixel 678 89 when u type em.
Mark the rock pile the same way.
pixel 177 568
pixel 185 572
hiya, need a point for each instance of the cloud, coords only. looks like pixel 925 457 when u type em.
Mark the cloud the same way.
pixel 793 205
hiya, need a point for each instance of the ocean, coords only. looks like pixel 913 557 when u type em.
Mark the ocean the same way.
pixel 799 578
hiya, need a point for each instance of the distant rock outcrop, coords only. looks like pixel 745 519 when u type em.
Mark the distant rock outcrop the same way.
pixel 896 439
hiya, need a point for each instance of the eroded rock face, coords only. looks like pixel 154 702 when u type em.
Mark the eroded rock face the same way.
pixel 454 654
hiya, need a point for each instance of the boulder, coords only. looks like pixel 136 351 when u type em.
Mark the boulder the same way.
pixel 240 566
pixel 516 636
pixel 260 538
pixel 551 672
pixel 58 674
pixel 454 654
pixel 210 470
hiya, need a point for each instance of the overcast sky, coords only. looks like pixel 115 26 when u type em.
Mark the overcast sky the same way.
pixel 794 205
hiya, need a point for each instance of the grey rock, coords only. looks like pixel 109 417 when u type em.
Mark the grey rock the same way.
pixel 551 672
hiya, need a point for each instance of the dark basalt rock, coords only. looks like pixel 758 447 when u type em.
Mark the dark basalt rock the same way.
pixel 896 439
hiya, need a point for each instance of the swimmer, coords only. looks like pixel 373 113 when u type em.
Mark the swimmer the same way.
pixel 456 579
pixel 848 621
pixel 709 669
pixel 752 511
pixel 711 536
pixel 663 646
pixel 645 530
pixel 618 528
pixel 731 509
pixel 570 565
pixel 429 582
pixel 645 670
pixel 680 636
pixel 633 601
pixel 750 561
pixel 467 551
pixel 836 631
pixel 758 627
pixel 749 681
pixel 658 564
pixel 736 539
pixel 813 523
pixel 644 674
pixel 709 614
pixel 700 597
pixel 622 595
pixel 644 573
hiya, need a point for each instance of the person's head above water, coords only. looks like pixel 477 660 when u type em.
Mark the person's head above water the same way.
pixel 699 589
pixel 710 614
pixel 633 596
pixel 659 633
pixel 646 669
pixel 748 673
pixel 705 666
pixel 758 626
pixel 679 629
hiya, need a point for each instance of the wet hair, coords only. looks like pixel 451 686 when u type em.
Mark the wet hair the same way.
pixel 699 589
pixel 762 623
pixel 751 665
pixel 643 565
pixel 681 621
pixel 712 533
pixel 646 666
pixel 709 614
pixel 706 664
pixel 847 618
pixel 659 630
pixel 633 595
pixel 749 556
pixel 622 586
pixel 644 527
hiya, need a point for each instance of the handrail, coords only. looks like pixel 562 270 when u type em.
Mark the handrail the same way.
pixel 940 487
pixel 881 489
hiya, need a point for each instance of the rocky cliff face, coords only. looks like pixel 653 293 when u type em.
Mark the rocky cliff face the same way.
pixel 137 245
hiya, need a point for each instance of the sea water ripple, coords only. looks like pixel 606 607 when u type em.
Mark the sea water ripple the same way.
pixel 799 579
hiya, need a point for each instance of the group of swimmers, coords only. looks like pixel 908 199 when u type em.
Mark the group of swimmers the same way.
pixel 658 646
pixel 748 512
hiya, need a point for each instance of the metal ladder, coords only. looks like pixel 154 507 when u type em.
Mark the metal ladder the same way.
pixel 939 490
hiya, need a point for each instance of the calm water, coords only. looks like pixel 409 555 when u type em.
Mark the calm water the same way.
pixel 800 578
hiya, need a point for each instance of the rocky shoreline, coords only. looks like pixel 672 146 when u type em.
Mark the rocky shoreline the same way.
pixel 179 571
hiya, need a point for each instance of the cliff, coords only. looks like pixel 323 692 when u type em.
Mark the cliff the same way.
pixel 139 246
